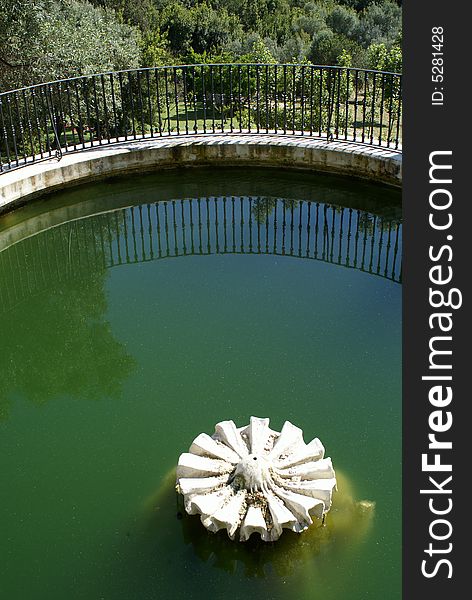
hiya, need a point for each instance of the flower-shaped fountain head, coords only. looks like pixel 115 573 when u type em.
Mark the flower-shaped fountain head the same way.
pixel 254 479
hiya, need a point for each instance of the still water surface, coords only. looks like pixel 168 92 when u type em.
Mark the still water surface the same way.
pixel 137 313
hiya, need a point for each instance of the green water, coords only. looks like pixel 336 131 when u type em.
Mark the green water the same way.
pixel 137 313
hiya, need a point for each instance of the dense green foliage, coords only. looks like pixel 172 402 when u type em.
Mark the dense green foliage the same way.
pixel 47 39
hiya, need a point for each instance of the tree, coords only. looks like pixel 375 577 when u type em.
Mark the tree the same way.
pixel 343 20
pixel 379 22
pixel 51 39
pixel 383 59
pixel 328 47
pixel 20 20
pixel 143 14
pixel 45 39
pixel 199 28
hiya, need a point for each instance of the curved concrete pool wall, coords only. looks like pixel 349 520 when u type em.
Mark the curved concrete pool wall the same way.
pixel 377 164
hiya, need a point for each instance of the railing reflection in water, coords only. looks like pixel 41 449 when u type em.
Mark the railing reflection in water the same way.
pixel 348 237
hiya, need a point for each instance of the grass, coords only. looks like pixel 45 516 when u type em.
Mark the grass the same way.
pixel 175 121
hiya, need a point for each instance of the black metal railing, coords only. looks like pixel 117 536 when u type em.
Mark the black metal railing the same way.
pixel 85 247
pixel 334 103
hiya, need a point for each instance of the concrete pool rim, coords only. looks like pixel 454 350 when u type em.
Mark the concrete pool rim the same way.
pixel 376 164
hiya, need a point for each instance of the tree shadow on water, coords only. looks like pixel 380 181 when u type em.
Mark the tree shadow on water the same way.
pixel 56 340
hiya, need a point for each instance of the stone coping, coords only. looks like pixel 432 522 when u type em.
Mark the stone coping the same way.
pixel 378 164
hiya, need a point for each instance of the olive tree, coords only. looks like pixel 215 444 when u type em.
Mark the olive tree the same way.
pixel 44 40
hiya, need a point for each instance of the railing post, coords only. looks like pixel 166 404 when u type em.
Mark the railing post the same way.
pixel 195 102
pixel 50 105
pixel 184 80
pixel 13 129
pixel 159 107
pixel 399 111
pixel 231 98
pixel 4 135
pixel 202 71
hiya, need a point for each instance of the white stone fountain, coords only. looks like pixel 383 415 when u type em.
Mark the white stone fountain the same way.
pixel 253 479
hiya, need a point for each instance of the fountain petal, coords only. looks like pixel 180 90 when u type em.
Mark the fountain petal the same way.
pixel 189 486
pixel 254 522
pixel 289 442
pixel 320 489
pixel 227 433
pixel 312 451
pixel 224 517
pixel 316 469
pixel 255 480
pixel 204 445
pixel 193 465
pixel 258 433
pixel 207 504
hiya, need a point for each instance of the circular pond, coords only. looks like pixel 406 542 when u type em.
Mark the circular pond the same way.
pixel 139 312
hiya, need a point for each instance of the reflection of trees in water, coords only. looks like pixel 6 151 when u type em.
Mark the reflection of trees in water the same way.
pixel 263 207
pixel 370 223
pixel 55 339
pixel 348 237
pixel 345 236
